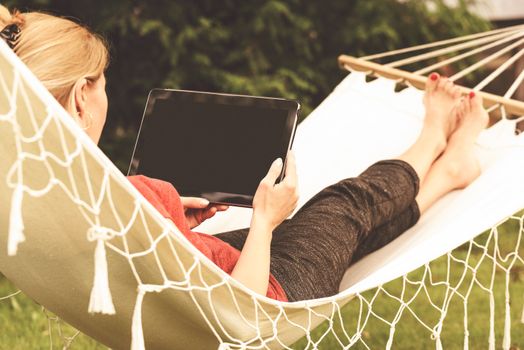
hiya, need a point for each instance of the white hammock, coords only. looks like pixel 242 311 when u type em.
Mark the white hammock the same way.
pixel 77 236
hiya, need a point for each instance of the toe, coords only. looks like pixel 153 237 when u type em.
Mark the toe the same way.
pixel 467 102
pixel 463 107
pixel 455 92
pixel 448 87
pixel 432 82
pixel 441 83
pixel 476 101
pixel 459 113
pixel 478 110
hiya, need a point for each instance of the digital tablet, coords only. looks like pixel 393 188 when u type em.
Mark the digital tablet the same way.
pixel 210 145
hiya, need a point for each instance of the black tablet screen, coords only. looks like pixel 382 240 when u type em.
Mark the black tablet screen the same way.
pixel 205 147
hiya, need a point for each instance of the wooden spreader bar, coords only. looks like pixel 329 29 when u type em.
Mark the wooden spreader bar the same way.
pixel 511 106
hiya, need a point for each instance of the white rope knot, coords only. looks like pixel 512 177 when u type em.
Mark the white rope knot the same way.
pixel 96 233
pixel 100 300
pixel 435 335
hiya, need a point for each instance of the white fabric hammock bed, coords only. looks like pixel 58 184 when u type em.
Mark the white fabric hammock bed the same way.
pixel 80 240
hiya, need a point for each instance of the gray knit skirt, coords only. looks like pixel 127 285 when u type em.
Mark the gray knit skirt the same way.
pixel 342 223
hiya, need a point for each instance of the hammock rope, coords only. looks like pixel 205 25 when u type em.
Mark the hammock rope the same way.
pixel 400 76
pixel 499 70
pixel 516 84
pixel 509 38
pixel 441 43
pixel 486 60
pixel 147 276
pixel 450 49
pixel 466 54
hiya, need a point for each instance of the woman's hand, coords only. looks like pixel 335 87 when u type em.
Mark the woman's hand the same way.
pixel 273 203
pixel 198 210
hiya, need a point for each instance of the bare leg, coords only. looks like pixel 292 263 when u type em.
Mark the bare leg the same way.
pixel 440 98
pixel 458 166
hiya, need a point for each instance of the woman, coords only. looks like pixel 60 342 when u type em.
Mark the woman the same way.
pixel 301 258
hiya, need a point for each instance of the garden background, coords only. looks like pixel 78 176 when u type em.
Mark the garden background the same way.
pixel 278 48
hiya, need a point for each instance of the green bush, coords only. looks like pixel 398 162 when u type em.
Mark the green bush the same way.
pixel 263 47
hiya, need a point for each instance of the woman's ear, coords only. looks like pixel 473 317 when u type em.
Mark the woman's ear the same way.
pixel 80 93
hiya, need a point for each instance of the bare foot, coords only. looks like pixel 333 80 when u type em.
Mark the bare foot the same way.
pixel 459 160
pixel 440 98
pixel 458 166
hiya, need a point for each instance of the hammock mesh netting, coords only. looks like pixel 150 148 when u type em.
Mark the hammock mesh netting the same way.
pixel 81 241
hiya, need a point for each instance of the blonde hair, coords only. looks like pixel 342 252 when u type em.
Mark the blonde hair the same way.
pixel 58 51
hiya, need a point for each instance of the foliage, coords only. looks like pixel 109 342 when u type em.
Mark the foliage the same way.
pixel 281 48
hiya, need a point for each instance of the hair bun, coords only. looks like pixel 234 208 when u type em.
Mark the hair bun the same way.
pixel 7 18
pixel 18 18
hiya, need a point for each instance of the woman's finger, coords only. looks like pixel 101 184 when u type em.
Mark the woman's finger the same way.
pixel 209 213
pixel 274 172
pixel 291 168
pixel 221 207
pixel 194 202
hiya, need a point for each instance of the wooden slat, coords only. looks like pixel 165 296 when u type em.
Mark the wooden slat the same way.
pixel 512 107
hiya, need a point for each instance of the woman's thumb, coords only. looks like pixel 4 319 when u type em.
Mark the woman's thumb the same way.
pixel 274 170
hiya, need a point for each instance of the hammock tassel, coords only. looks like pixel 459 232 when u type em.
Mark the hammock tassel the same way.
pixel 522 317
pixel 101 300
pixel 439 344
pixel 390 339
pixel 491 338
pixel 137 333
pixel 16 223
pixel 506 342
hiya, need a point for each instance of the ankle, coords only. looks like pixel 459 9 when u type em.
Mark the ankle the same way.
pixel 435 137
pixel 452 171
pixel 461 171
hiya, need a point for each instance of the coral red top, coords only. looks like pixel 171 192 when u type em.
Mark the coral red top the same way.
pixel 165 198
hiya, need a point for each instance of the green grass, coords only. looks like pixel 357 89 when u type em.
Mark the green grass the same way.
pixel 24 325
pixel 409 332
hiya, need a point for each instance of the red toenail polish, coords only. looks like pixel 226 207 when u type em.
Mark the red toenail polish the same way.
pixel 471 94
pixel 433 76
